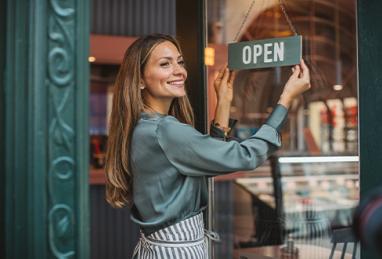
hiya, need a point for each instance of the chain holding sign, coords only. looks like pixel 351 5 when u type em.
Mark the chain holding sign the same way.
pixel 266 53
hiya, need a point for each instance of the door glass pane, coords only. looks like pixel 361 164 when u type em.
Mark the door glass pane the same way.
pixel 305 194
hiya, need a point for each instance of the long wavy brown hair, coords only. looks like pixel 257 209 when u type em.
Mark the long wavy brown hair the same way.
pixel 128 103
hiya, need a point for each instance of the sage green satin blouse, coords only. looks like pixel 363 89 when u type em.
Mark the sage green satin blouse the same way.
pixel 171 160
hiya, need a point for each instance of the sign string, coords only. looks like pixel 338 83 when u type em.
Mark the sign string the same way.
pixel 283 9
pixel 244 20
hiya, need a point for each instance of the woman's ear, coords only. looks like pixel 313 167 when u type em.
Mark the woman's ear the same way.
pixel 141 85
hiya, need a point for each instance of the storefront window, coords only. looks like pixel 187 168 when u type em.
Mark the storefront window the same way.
pixel 101 85
pixel 306 193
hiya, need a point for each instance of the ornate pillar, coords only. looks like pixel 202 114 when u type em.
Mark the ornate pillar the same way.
pixel 46 132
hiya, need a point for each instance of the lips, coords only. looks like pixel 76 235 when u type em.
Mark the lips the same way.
pixel 176 83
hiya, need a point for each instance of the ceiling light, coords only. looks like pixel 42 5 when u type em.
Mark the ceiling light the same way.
pixel 91 59
pixel 209 56
pixel 338 87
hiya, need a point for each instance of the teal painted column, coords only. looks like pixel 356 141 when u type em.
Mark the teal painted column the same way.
pixel 46 129
pixel 2 122
pixel 370 98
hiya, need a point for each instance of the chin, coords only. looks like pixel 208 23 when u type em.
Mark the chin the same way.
pixel 178 92
pixel 181 94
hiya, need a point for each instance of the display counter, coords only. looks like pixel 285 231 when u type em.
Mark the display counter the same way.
pixel 299 198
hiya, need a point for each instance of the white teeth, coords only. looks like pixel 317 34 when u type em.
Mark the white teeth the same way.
pixel 176 83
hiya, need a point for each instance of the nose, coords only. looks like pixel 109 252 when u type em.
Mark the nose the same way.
pixel 180 70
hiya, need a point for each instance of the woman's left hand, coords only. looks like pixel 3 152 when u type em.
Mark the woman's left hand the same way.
pixel 224 85
pixel 298 83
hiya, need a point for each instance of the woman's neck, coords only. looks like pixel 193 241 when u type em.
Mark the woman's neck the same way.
pixel 159 106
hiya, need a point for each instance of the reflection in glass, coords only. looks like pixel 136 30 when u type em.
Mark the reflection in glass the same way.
pixel 282 203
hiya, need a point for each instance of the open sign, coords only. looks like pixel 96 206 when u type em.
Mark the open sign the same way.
pixel 265 53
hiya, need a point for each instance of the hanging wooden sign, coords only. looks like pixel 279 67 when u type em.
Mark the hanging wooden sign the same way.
pixel 273 52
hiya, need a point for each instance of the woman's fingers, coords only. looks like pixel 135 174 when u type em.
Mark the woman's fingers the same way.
pixel 232 75
pixel 296 72
pixel 305 75
pixel 219 78
pixel 298 83
pixel 221 73
pixel 303 66
pixel 225 75
pixel 224 85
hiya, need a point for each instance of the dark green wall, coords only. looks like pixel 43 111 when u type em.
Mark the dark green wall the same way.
pixel 370 98
pixel 2 175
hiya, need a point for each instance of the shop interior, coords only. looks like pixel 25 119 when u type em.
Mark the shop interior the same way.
pixel 305 194
pixel 308 190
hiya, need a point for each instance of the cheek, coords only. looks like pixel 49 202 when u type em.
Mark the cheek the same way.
pixel 157 77
pixel 154 81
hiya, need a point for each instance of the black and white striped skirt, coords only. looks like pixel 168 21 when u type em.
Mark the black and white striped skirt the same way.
pixel 183 240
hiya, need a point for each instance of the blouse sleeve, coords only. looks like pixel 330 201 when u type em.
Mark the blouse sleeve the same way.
pixel 219 133
pixel 196 154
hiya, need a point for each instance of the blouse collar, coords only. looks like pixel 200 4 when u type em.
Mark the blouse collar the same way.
pixel 151 115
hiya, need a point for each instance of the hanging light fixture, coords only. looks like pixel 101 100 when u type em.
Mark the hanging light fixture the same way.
pixel 338 86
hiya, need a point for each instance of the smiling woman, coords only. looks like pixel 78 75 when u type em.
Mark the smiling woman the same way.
pixel 157 163
pixel 164 77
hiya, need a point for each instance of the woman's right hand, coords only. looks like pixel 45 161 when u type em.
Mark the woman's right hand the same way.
pixel 223 85
pixel 298 83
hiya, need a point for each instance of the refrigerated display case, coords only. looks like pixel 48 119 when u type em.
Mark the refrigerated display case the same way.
pixel 289 199
pixel 310 191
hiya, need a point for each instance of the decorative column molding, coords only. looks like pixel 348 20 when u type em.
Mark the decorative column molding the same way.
pixel 46 112
pixel 60 82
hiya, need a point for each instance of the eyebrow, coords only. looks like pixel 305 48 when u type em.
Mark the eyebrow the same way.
pixel 170 58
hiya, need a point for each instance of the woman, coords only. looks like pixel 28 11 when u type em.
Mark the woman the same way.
pixel 157 162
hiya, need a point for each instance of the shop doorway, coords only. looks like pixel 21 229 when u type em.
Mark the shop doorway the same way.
pixel 307 192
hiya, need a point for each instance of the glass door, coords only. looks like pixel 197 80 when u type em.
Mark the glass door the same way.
pixel 300 202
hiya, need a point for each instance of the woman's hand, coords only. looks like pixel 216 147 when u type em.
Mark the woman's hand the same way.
pixel 224 92
pixel 298 83
pixel 224 86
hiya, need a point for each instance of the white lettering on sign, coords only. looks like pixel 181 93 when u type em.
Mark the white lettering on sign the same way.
pixel 272 52
pixel 247 55
pixel 279 51
pixel 257 51
pixel 267 53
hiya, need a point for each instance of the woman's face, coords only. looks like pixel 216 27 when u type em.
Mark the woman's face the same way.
pixel 164 75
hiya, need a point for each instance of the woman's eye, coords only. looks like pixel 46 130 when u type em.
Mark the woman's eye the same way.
pixel 164 64
pixel 182 63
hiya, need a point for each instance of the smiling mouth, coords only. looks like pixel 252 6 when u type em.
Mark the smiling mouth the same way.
pixel 176 83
